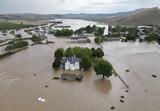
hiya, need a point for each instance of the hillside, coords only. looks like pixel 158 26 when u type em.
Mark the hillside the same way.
pixel 145 17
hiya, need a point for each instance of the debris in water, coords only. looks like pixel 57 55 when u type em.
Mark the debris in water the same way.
pixel 121 101
pixel 55 78
pixel 127 70
pixel 46 86
pixel 146 90
pixel 41 99
pixel 34 74
pixel 122 97
pixel 112 108
pixel 154 76
pixel 126 91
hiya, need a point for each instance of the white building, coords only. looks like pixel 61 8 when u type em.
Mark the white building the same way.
pixel 71 63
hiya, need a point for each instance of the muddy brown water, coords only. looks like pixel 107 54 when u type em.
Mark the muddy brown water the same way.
pixel 20 89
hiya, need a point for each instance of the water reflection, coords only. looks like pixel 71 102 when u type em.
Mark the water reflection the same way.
pixel 103 85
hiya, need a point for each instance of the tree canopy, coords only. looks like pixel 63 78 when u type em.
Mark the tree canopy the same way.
pixel 69 52
pixel 16 44
pixel 86 62
pixel 97 31
pixel 97 52
pixel 98 40
pixel 103 67
pixel 59 53
pixel 64 32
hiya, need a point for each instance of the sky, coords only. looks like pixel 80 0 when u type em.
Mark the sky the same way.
pixel 73 6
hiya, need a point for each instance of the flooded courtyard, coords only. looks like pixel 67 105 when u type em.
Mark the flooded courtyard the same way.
pixel 24 75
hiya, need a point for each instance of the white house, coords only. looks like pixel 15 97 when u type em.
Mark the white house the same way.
pixel 71 63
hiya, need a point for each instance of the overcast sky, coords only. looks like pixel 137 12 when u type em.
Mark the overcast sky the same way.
pixel 74 6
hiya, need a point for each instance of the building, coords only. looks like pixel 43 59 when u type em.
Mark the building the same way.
pixel 71 63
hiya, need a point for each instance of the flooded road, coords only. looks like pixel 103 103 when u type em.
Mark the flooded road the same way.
pixel 24 75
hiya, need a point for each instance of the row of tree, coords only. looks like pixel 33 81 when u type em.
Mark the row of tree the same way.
pixel 64 32
pixel 97 31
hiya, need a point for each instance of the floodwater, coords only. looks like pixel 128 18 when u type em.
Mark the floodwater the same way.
pixel 20 88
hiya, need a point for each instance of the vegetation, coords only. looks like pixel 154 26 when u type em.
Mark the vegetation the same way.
pixel 16 44
pixel 10 26
pixel 98 40
pixel 64 32
pixel 103 67
pixel 86 62
pixel 131 36
pixel 57 63
pixel 151 37
pixel 36 39
pixel 87 56
pixel 69 52
pixel 59 53
pixel 18 36
pixel 98 31
pixel 131 33
pixel 58 56
pixel 98 53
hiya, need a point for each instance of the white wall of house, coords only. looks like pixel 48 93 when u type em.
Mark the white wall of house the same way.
pixel 69 66
pixel 77 66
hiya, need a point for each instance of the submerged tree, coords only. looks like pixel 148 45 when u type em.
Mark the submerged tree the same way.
pixel 98 40
pixel 97 52
pixel 59 53
pixel 86 62
pixel 57 63
pixel 69 52
pixel 103 67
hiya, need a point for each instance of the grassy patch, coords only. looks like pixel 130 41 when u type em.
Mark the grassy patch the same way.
pixel 16 44
pixel 10 26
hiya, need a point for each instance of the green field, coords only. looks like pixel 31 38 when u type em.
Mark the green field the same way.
pixel 10 26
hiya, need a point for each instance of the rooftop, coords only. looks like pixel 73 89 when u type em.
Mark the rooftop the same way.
pixel 72 60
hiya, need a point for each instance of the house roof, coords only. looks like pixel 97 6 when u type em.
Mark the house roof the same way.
pixel 72 60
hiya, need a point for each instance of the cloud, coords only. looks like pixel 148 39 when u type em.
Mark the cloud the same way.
pixel 73 6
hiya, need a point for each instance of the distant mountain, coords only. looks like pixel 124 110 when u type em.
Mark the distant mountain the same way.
pixel 27 16
pixel 144 16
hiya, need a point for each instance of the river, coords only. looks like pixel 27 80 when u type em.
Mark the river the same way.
pixel 20 88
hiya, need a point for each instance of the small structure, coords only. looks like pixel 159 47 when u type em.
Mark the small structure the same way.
pixel 71 63
pixel 71 77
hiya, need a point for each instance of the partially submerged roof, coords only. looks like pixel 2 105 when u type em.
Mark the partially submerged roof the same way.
pixel 72 60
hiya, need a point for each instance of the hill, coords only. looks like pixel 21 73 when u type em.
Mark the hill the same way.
pixel 144 17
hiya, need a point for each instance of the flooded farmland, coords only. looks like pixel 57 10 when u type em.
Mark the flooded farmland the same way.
pixel 24 75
